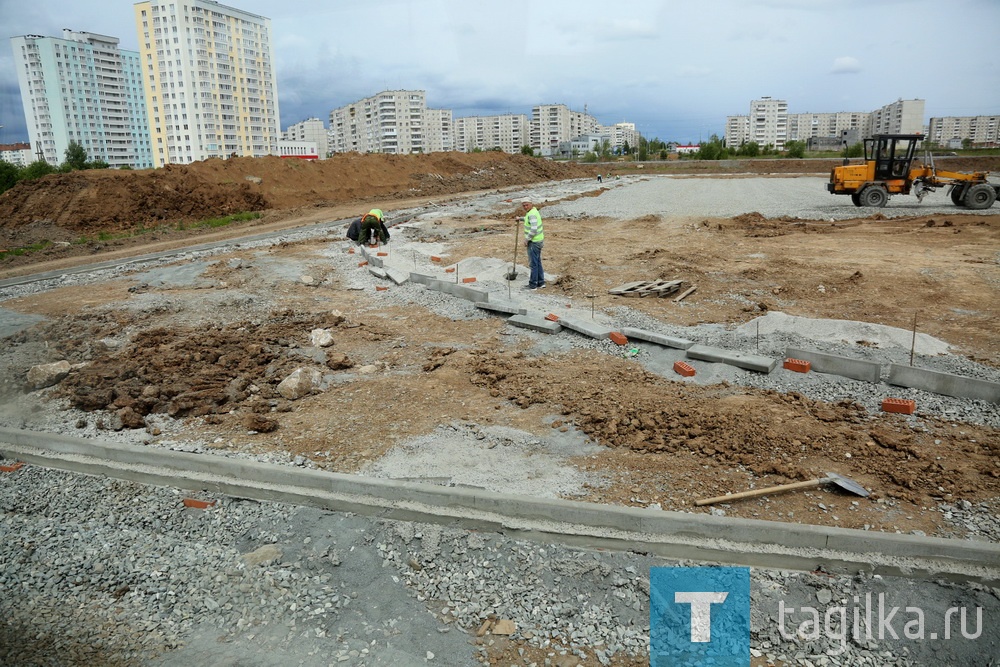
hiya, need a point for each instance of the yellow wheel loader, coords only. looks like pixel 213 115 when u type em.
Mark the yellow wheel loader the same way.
pixel 888 170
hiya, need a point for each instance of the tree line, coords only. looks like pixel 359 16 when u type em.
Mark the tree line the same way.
pixel 76 160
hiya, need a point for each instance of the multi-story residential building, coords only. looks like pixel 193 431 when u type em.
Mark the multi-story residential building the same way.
pixel 620 135
pixel 770 123
pixel 508 132
pixel 19 154
pixel 209 77
pixel 550 124
pixel 390 122
pixel 310 130
pixel 439 134
pixel 900 117
pixel 951 131
pixel 82 88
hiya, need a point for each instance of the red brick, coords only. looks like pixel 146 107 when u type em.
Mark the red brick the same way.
pixel 618 338
pixel 451 270
pixel 797 365
pixel 682 368
pixel 11 467
pixel 435 258
pixel 381 254
pixel 468 280
pixel 198 504
pixel 362 263
pixel 350 251
pixel 551 317
pixel 903 406
pixel 379 288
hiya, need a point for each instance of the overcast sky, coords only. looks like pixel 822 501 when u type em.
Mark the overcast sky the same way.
pixel 675 68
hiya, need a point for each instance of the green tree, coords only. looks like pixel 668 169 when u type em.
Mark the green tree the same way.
pixel 796 149
pixel 749 149
pixel 713 149
pixel 36 169
pixel 626 149
pixel 76 156
pixel 590 156
pixel 8 175
pixel 527 150
pixel 855 150
pixel 605 150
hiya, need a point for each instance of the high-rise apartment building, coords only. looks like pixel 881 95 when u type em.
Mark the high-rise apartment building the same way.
pixel 82 88
pixel 439 131
pixel 389 122
pixel 508 132
pixel 209 77
pixel 310 130
pixel 900 117
pixel 982 131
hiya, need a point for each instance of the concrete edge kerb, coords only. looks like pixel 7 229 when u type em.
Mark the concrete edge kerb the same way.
pixel 855 369
pixel 739 538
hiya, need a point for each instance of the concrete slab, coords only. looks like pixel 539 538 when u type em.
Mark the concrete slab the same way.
pixel 856 369
pixel 592 329
pixel 461 291
pixel 535 324
pixel 421 278
pixel 508 307
pixel 659 339
pixel 397 276
pixel 370 255
pixel 676 535
pixel 944 383
pixel 751 362
pixel 377 272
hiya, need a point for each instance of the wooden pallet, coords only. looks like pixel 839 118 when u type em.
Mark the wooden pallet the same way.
pixel 642 288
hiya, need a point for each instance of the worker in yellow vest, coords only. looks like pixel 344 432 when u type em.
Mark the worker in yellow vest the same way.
pixel 533 238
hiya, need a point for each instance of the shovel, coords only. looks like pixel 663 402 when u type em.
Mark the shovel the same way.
pixel 512 274
pixel 831 478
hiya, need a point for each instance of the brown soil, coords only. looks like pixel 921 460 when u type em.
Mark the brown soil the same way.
pixel 666 442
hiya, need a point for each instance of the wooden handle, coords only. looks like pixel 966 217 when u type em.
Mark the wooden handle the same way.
pixel 762 492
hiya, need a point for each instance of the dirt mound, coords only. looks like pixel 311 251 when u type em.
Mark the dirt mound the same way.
pixel 110 200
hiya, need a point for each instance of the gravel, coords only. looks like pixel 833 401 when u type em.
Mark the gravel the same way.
pixel 114 573
pixel 99 571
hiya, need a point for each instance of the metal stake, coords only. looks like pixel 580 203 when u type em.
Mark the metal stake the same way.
pixel 913 344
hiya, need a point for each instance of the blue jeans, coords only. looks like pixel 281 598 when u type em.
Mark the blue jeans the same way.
pixel 537 278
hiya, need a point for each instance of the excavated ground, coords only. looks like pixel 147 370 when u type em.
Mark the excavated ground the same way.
pixel 213 363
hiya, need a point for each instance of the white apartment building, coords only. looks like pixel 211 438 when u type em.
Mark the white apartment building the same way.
pixel 550 124
pixel 620 135
pixel 508 132
pixel 770 123
pixel 390 122
pixel 439 131
pixel 900 117
pixel 82 88
pixel 210 83
pixel 305 150
pixel 310 130
pixel 983 131
pixel 18 154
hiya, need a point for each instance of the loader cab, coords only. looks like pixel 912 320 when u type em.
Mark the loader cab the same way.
pixel 892 154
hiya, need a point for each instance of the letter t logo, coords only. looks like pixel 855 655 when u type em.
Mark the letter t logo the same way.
pixel 701 611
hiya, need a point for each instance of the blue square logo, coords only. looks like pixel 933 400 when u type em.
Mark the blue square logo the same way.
pixel 699 616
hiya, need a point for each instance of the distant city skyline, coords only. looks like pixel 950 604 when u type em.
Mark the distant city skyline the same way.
pixel 676 70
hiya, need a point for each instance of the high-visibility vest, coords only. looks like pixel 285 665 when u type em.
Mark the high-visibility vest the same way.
pixel 533 226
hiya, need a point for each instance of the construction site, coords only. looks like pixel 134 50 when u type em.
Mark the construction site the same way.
pixel 260 443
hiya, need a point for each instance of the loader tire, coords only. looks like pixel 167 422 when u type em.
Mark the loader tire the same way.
pixel 980 196
pixel 856 199
pixel 957 193
pixel 874 196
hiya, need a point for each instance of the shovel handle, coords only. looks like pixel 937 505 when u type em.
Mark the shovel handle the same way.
pixel 762 492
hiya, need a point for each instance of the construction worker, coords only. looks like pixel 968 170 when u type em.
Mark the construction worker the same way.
pixel 372 222
pixel 533 237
